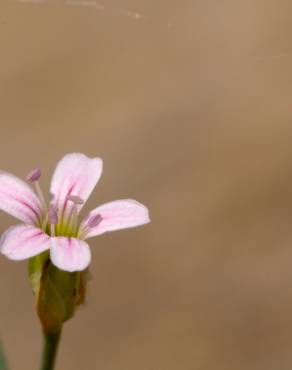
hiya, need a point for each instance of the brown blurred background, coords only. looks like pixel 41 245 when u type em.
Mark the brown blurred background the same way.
pixel 189 104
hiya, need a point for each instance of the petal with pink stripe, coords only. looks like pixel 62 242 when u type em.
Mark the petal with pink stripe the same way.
pixel 23 241
pixel 70 254
pixel 117 215
pixel 75 175
pixel 19 200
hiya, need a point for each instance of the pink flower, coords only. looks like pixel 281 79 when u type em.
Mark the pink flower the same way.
pixel 57 227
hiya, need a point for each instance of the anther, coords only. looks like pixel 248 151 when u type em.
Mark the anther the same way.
pixel 53 216
pixel 34 175
pixel 73 216
pixel 94 221
pixel 75 199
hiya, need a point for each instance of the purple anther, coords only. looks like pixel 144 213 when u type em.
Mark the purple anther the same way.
pixel 75 199
pixel 53 216
pixel 34 175
pixel 52 197
pixel 94 221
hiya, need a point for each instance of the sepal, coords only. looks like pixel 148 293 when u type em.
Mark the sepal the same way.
pixel 57 292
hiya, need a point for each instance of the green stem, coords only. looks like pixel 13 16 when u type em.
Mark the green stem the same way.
pixel 50 348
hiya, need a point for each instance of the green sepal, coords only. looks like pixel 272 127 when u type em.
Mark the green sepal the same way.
pixel 35 270
pixel 84 277
pixel 57 296
pixel 57 292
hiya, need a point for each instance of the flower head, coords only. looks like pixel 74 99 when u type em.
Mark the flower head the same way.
pixel 57 227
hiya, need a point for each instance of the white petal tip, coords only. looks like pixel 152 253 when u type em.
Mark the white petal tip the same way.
pixel 70 254
pixel 117 215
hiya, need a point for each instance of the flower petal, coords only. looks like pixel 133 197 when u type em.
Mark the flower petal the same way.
pixel 70 254
pixel 120 214
pixel 23 241
pixel 18 199
pixel 76 175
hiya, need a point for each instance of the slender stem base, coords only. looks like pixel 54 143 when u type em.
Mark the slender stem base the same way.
pixel 50 348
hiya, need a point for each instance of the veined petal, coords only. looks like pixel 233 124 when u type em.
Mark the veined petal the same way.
pixel 18 199
pixel 120 214
pixel 76 175
pixel 70 254
pixel 23 241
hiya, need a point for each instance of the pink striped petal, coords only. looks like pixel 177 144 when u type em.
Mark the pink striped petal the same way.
pixel 23 241
pixel 120 214
pixel 18 199
pixel 70 254
pixel 76 175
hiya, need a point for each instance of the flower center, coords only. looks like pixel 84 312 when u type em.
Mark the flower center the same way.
pixel 70 224
pixel 51 223
pixel 56 224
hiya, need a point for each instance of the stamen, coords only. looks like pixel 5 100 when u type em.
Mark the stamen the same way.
pixel 53 219
pixel 73 218
pixel 52 197
pixel 53 215
pixel 75 199
pixel 34 175
pixel 53 230
pixel 40 194
pixel 94 221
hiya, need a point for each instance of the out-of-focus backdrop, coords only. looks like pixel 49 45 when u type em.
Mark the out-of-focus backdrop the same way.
pixel 189 104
